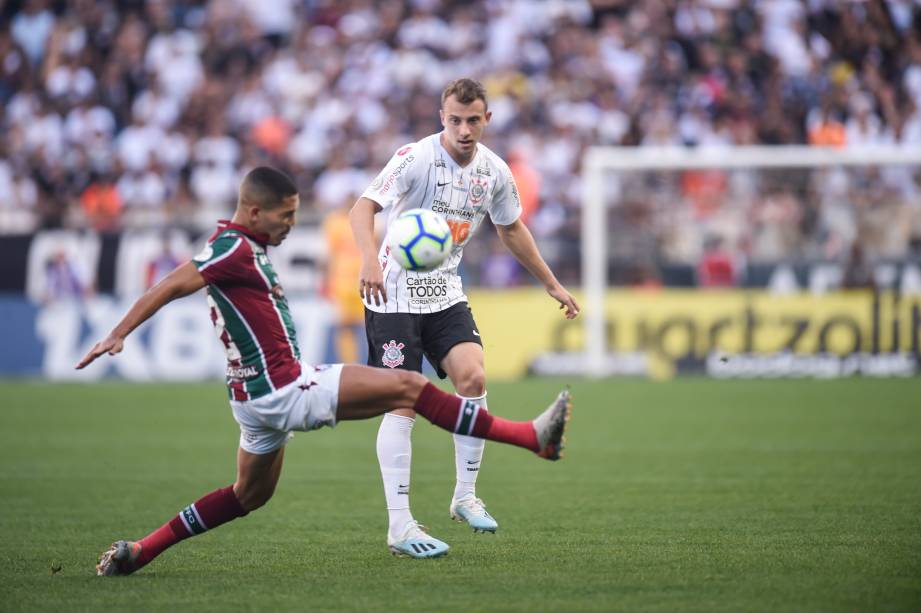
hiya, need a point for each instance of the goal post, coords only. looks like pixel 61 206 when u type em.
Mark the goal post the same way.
pixel 599 162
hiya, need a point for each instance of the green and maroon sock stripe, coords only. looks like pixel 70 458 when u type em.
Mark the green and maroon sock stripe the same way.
pixel 449 412
pixel 466 418
pixel 192 520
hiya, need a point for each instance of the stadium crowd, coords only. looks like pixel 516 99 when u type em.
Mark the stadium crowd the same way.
pixel 125 114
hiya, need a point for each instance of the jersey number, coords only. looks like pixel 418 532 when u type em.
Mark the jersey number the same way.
pixel 460 230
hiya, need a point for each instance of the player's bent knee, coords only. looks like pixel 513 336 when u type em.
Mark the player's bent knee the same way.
pixel 410 385
pixel 472 383
pixel 252 497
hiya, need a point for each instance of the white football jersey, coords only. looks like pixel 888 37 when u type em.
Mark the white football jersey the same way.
pixel 423 175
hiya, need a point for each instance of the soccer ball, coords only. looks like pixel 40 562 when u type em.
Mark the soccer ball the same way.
pixel 419 240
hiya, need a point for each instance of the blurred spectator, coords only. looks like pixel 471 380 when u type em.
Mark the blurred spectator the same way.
pixel 62 280
pixel 825 130
pixel 161 264
pixel 342 267
pixel 857 273
pixel 528 181
pixel 499 268
pixel 31 29
pixel 102 204
pixel 717 267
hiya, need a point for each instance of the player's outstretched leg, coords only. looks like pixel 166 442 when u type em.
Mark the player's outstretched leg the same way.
pixel 257 475
pixel 366 392
pixel 209 511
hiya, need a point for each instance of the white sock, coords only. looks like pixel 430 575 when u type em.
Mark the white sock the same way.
pixel 468 453
pixel 394 454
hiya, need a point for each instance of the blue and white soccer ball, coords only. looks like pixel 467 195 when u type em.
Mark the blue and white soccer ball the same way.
pixel 419 240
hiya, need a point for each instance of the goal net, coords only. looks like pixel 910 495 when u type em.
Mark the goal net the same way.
pixel 654 216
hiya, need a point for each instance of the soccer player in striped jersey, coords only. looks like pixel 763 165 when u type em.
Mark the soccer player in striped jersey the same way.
pixel 272 393
pixel 411 314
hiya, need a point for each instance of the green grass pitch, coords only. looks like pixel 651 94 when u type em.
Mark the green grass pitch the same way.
pixel 693 495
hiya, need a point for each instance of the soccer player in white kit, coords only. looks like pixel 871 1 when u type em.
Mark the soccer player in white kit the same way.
pixel 411 314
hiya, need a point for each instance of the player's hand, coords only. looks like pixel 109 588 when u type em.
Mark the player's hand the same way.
pixel 565 299
pixel 371 283
pixel 110 344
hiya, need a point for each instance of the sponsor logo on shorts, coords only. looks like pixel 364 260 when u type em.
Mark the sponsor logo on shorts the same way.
pixel 393 354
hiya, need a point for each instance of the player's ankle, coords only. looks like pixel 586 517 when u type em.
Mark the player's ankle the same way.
pixel 399 518
pixel 464 489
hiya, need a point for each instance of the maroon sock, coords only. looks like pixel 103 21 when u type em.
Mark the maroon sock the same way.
pixel 206 513
pixel 470 418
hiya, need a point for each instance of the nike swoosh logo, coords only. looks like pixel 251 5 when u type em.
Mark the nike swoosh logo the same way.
pixel 476 462
pixel 442 184
pixel 476 333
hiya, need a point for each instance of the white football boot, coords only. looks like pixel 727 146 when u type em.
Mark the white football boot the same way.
pixel 472 510
pixel 415 542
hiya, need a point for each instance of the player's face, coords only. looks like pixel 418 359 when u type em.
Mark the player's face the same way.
pixel 464 125
pixel 277 222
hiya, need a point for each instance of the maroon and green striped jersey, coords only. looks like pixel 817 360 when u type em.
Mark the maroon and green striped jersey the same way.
pixel 249 312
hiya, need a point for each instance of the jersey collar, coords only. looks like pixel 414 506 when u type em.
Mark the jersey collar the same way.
pixel 226 224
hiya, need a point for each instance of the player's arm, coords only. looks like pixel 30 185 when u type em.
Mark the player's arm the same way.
pixel 518 239
pixel 370 276
pixel 183 281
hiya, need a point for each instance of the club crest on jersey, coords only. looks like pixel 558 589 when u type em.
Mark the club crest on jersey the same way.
pixel 478 190
pixel 393 354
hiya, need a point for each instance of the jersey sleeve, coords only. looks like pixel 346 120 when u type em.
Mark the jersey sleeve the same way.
pixel 397 177
pixel 506 203
pixel 226 260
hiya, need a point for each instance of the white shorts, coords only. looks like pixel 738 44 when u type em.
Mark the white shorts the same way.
pixel 308 403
